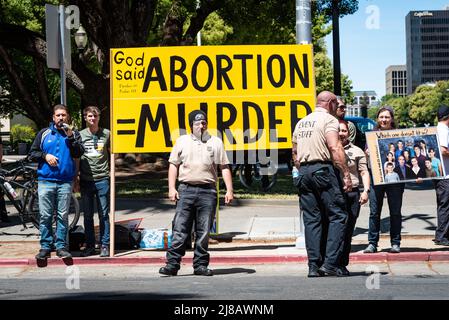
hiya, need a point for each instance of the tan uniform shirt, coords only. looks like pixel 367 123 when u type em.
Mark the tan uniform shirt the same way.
pixel 198 160
pixel 310 136
pixel 356 161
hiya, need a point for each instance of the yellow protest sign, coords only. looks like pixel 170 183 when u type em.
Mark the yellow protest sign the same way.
pixel 253 95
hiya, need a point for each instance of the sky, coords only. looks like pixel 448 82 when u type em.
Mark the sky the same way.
pixel 374 38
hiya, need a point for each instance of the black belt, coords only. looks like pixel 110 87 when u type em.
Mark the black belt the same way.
pixel 315 162
pixel 201 185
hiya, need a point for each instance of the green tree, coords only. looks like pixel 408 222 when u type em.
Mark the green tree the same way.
pixel 423 104
pixel 31 88
pixel 325 79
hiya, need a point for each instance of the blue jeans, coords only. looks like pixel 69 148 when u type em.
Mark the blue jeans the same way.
pixel 54 196
pixel 100 191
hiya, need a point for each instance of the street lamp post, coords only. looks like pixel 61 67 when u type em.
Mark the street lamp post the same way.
pixel 81 38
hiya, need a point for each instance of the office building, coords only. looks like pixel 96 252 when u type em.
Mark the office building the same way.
pixel 427 42
pixel 396 80
pixel 368 97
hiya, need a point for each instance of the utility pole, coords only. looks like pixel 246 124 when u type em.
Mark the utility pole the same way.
pixel 303 36
pixel 58 44
pixel 303 22
pixel 336 46
pixel 198 35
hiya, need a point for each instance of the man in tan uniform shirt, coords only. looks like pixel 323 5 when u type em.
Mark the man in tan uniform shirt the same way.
pixel 195 157
pixel 318 153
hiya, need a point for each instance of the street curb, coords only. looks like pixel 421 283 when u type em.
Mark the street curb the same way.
pixel 381 257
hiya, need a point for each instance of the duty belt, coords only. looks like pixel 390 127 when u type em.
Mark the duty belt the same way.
pixel 200 185
pixel 315 162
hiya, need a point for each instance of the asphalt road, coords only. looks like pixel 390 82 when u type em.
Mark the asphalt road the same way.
pixel 415 281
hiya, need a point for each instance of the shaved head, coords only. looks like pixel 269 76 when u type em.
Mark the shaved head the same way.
pixel 328 101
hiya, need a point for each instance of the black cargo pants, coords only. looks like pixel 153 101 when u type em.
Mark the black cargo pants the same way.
pixel 196 203
pixel 324 213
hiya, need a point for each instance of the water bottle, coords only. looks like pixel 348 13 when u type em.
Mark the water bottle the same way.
pixel 295 172
pixel 10 189
pixel 295 176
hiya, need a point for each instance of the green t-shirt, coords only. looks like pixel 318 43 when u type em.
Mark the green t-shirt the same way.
pixel 94 163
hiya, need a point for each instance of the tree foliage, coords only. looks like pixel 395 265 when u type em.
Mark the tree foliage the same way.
pixel 420 108
pixel 29 87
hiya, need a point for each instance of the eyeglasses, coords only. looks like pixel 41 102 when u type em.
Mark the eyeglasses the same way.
pixel 342 106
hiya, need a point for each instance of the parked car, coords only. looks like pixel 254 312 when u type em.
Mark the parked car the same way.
pixel 363 125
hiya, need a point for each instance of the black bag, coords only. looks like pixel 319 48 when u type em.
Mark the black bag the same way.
pixel 122 238
pixel 77 238
pixel 126 239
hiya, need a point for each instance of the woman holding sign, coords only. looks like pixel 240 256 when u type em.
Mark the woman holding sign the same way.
pixel 385 121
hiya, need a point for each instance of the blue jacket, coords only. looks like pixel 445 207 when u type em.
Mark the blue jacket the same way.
pixel 55 142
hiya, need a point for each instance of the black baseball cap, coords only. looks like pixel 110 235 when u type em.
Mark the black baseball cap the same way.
pixel 443 112
pixel 196 115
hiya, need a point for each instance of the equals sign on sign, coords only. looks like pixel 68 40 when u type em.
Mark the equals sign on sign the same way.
pixel 126 121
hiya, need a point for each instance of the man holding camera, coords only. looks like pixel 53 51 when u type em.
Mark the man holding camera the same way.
pixel 55 149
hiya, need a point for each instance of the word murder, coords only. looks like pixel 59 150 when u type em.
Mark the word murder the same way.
pixel 161 119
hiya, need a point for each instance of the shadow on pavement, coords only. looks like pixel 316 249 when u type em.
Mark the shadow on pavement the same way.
pixel 416 249
pixel 123 295
pixel 133 205
pixel 233 270
pixel 226 237
pixel 253 247
pixel 424 217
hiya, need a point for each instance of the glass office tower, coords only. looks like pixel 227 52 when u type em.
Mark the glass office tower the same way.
pixel 427 41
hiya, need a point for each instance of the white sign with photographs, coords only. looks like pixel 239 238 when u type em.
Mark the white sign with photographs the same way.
pixel 404 155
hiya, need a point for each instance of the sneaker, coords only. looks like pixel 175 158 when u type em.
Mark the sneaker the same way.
pixel 370 249
pixel 395 249
pixel 43 254
pixel 314 272
pixel 331 271
pixel 88 251
pixel 63 253
pixel 104 251
pixel 203 271
pixel 168 271
pixel 343 272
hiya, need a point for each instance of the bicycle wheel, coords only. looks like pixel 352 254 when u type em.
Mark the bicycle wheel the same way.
pixel 252 177
pixel 73 216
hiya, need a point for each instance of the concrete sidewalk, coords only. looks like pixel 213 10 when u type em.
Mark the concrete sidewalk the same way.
pixel 250 231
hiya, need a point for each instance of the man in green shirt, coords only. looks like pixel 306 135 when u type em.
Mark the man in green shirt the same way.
pixel 94 180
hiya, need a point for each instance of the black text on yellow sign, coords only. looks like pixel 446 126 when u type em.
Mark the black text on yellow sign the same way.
pixel 253 95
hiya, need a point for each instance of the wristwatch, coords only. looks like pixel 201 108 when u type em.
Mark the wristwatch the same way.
pixel 367 191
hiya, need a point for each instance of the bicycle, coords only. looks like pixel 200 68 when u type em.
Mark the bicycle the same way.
pixel 252 175
pixel 27 201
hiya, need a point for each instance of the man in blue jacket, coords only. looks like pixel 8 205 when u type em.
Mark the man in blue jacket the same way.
pixel 55 149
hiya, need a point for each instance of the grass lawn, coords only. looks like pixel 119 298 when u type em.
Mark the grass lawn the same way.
pixel 158 188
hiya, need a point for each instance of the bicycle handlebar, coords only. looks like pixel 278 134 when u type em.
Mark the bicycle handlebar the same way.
pixel 22 168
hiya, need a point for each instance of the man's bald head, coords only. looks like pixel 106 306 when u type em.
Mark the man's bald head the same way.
pixel 328 101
